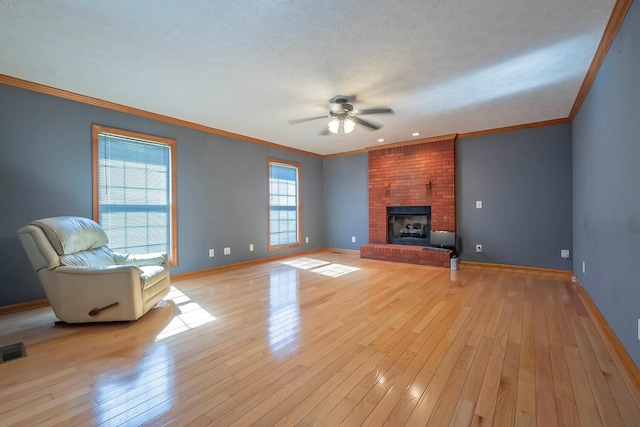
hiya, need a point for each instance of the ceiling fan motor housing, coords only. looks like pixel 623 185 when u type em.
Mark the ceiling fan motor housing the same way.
pixel 341 99
pixel 341 109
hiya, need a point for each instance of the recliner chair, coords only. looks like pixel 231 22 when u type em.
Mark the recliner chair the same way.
pixel 84 280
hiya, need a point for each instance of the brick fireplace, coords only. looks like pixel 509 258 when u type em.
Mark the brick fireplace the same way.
pixel 421 174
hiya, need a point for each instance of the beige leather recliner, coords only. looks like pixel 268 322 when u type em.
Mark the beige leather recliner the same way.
pixel 84 280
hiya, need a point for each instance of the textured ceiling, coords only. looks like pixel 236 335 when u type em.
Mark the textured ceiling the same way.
pixel 248 67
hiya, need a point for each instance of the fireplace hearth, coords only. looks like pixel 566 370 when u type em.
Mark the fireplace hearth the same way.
pixel 409 225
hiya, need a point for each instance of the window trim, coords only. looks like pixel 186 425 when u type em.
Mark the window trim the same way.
pixel 298 243
pixel 96 130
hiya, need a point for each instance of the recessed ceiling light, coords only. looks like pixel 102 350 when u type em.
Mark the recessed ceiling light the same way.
pixel 415 134
pixel 381 140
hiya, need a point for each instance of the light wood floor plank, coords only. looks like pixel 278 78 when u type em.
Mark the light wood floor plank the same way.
pixel 275 344
pixel 603 397
pixel 526 393
pixel 454 339
pixel 567 411
pixel 587 410
pixel 546 410
pixel 431 309
pixel 417 396
pixel 487 401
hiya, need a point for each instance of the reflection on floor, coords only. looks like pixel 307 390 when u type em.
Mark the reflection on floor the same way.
pixel 284 311
pixel 113 391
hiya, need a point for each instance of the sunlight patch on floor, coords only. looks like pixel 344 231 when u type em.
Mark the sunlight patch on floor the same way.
pixel 191 315
pixel 335 270
pixel 321 267
pixel 305 263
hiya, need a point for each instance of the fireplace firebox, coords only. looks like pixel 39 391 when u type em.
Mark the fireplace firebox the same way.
pixel 409 225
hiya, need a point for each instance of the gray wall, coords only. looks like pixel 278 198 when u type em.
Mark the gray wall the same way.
pixel 523 179
pixel 346 200
pixel 45 170
pixel 606 176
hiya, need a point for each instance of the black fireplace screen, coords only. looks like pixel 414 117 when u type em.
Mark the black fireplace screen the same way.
pixel 409 225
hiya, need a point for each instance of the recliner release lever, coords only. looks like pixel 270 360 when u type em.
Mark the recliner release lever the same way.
pixel 96 311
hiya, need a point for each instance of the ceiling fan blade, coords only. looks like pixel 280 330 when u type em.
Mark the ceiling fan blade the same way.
pixel 324 132
pixel 365 123
pixel 381 110
pixel 296 121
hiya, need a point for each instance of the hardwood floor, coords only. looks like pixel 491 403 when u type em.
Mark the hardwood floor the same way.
pixel 329 339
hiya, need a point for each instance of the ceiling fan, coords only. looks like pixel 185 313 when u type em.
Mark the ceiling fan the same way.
pixel 344 117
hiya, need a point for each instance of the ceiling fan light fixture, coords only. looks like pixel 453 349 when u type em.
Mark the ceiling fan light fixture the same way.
pixel 341 126
pixel 334 126
pixel 349 125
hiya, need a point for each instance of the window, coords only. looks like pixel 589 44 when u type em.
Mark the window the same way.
pixel 284 204
pixel 134 191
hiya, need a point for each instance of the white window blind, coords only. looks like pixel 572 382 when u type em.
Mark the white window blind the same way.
pixel 283 204
pixel 134 187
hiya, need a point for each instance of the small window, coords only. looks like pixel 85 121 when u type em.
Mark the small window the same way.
pixel 284 204
pixel 134 192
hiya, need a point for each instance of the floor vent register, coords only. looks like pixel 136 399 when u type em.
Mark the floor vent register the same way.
pixel 11 352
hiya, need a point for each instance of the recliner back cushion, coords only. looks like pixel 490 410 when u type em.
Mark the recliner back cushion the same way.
pixel 71 234
pixel 100 257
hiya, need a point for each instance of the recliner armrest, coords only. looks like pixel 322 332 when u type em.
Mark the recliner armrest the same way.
pixel 141 260
pixel 110 269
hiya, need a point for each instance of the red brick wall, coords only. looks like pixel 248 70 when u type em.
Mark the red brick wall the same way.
pixel 400 176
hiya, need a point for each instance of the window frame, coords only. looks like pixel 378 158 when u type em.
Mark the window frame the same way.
pixel 96 130
pixel 298 243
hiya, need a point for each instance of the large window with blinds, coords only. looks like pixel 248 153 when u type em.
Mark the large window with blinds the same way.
pixel 134 191
pixel 284 204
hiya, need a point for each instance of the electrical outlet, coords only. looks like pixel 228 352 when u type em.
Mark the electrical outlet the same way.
pixel 564 253
pixel 211 253
pixel 353 239
pixel 478 204
pixel 251 247
pixel 478 248
pixel 306 239
pixel 227 251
